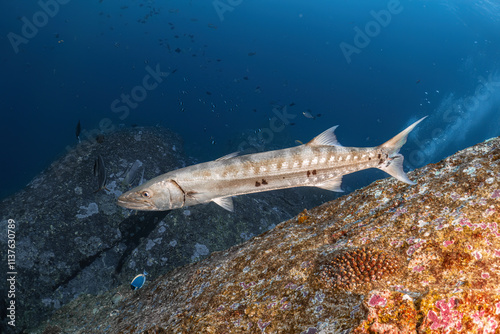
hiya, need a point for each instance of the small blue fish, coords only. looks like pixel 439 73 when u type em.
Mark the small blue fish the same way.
pixel 138 281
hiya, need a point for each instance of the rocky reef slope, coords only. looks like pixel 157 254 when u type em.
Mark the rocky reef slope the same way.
pixel 71 240
pixel 386 258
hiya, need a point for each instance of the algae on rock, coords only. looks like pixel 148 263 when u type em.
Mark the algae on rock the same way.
pixel 386 258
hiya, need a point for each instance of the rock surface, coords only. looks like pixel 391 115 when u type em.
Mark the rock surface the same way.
pixel 389 258
pixel 71 240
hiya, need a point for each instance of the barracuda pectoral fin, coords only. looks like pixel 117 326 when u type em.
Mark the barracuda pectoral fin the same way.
pixel 326 138
pixel 394 166
pixel 332 184
pixel 225 202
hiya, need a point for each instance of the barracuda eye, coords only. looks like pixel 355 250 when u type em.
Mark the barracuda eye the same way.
pixel 145 194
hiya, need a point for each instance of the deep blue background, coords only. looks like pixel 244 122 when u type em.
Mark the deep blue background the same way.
pixel 91 52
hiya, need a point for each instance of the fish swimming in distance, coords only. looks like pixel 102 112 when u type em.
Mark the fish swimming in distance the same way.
pixel 78 130
pixel 307 114
pixel 100 172
pixel 320 163
pixel 131 173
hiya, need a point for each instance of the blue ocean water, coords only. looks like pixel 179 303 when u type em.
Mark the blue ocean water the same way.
pixel 238 74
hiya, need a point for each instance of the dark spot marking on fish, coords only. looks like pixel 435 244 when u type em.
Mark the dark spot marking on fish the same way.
pixel 369 158
pixel 264 181
pixel 308 173
pixel 314 171
pixel 378 156
pixel 257 183
pixel 380 161
pixel 191 193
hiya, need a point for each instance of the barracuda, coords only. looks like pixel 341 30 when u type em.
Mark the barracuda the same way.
pixel 320 163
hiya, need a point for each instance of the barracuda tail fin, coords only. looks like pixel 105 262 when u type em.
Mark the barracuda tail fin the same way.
pixel 394 164
pixel 393 145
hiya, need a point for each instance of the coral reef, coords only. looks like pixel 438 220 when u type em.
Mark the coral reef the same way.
pixel 430 254
pixel 355 267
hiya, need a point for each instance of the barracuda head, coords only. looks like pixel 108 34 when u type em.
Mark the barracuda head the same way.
pixel 154 195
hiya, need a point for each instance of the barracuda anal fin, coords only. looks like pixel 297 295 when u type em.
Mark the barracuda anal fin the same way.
pixel 332 185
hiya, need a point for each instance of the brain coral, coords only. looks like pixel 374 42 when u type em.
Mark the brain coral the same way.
pixel 349 268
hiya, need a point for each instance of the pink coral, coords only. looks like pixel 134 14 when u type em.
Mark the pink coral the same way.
pixel 418 268
pixel 496 194
pixel 447 243
pixel 448 318
pixel 377 300
pixel 486 324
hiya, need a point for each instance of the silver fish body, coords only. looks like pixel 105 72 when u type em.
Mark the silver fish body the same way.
pixel 320 163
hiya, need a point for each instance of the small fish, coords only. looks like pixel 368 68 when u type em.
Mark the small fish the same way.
pixel 131 173
pixel 307 114
pixel 321 163
pixel 138 281
pixel 141 181
pixel 100 172
pixel 78 130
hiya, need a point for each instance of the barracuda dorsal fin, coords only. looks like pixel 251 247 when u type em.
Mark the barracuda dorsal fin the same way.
pixel 225 202
pixel 228 156
pixel 332 185
pixel 326 138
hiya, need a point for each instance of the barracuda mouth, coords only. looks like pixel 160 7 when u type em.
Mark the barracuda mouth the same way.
pixel 132 203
